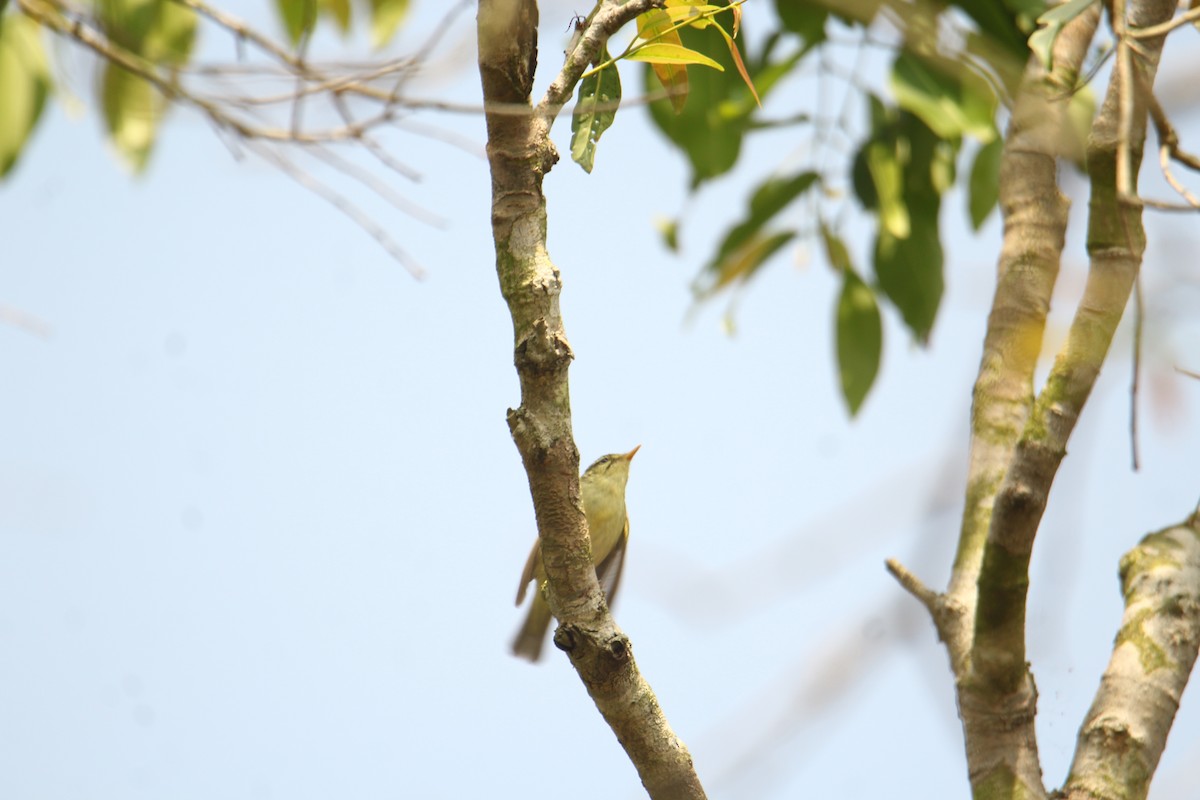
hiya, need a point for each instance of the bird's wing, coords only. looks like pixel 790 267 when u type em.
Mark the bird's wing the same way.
pixel 608 571
pixel 531 565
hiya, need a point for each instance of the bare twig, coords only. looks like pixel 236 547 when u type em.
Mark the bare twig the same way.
pixel 1166 27
pixel 1168 148
pixel 1139 314
pixel 342 204
pixel 371 182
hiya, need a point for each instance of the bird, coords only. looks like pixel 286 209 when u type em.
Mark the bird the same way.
pixel 602 490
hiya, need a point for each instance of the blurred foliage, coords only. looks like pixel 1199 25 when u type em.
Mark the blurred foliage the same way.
pixel 953 67
pixel 24 85
pixel 155 37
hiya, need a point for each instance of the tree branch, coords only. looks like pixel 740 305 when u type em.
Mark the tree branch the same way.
pixel 1035 220
pixel 608 17
pixel 520 154
pixel 1123 736
pixel 997 695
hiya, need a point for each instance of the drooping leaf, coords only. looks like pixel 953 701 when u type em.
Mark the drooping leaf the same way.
pixel 908 268
pixel 747 245
pixel 859 333
pixel 655 27
pixel 595 110
pixel 709 130
pixel 736 56
pixel 836 251
pixel 299 18
pixel 984 185
pixel 24 85
pixel 171 35
pixel 770 198
pixel 909 272
pixel 132 110
pixel 386 16
pixel 740 263
pixel 883 158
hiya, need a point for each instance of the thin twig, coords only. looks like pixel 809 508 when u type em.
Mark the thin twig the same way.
pixel 914 586
pixel 244 33
pixel 1166 27
pixel 373 147
pixel 1139 313
pixel 1124 100
pixel 338 201
pixel 1168 148
pixel 374 184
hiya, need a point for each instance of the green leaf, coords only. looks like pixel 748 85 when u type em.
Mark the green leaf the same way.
pixel 909 272
pixel 126 22
pixel 909 269
pixel 984 186
pixel 886 170
pixel 595 110
pixel 1006 23
pixel 1041 42
pixel 161 31
pixel 951 99
pixel 835 250
pixel 299 17
pixel 171 34
pixel 770 198
pixel 859 333
pixel 339 10
pixel 710 128
pixel 806 19
pixel 386 16
pixel 746 246
pixel 24 85
pixel 741 263
pixel 132 109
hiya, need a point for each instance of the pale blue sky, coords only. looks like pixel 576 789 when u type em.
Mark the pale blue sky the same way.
pixel 261 521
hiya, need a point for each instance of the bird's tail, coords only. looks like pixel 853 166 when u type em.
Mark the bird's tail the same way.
pixel 532 636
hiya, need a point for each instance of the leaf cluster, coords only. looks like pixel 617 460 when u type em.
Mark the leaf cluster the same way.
pixel 944 91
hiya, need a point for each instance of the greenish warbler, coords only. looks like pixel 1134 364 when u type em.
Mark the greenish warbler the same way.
pixel 602 490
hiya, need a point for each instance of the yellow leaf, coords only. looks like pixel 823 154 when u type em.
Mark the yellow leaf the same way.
pixel 659 53
pixel 655 26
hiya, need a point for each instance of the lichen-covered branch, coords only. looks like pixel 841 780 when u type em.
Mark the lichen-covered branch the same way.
pixel 1123 736
pixel 998 732
pixel 520 154
pixel 997 679
pixel 1116 241
pixel 1035 221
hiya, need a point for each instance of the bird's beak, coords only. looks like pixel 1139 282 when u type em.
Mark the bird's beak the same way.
pixel 629 456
